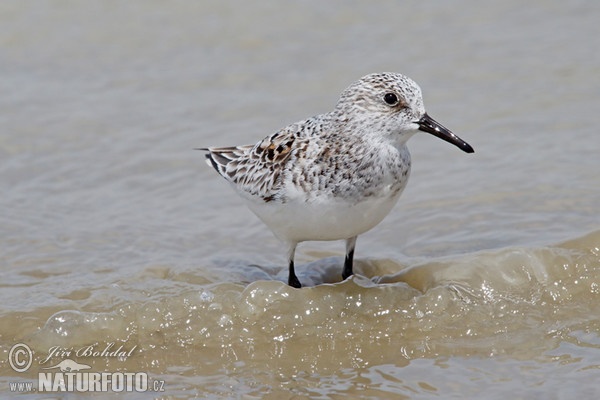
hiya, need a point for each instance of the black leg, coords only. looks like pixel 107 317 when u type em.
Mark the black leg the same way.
pixel 350 244
pixel 292 278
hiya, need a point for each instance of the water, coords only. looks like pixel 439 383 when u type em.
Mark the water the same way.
pixel 484 280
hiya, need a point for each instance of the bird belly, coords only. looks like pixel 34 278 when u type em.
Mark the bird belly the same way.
pixel 324 219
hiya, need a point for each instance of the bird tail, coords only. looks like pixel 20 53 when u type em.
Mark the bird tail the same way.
pixel 220 157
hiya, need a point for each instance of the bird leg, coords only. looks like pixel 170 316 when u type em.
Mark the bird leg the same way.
pixel 350 244
pixel 292 278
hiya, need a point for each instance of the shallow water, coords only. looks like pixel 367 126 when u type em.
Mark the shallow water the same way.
pixel 483 281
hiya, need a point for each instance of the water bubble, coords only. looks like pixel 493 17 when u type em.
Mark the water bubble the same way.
pixel 225 320
pixel 206 296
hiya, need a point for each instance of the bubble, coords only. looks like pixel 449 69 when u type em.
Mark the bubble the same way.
pixel 206 296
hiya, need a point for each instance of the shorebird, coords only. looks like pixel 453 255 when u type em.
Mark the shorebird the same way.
pixel 335 175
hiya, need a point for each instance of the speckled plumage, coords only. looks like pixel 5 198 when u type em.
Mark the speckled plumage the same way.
pixel 335 175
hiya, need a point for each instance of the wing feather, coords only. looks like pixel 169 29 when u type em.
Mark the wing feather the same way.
pixel 256 170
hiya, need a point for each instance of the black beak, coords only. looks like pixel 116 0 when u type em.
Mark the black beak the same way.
pixel 430 125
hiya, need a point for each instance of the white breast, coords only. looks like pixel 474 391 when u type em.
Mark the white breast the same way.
pixel 330 219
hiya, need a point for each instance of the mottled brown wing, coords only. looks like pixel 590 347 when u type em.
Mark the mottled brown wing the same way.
pixel 255 169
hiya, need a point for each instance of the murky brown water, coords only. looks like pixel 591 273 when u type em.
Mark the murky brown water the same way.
pixel 483 281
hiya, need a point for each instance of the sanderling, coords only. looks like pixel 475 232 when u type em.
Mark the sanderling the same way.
pixel 335 175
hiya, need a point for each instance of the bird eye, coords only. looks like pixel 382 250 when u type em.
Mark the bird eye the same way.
pixel 391 99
